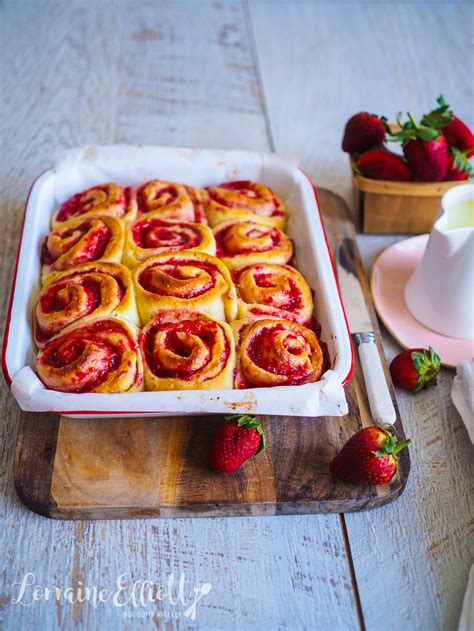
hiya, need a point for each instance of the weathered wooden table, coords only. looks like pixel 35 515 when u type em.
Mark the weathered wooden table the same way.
pixel 257 75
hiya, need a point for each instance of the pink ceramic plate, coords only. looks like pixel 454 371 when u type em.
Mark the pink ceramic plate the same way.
pixel 390 273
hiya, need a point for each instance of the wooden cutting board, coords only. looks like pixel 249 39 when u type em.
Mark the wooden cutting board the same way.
pixel 123 468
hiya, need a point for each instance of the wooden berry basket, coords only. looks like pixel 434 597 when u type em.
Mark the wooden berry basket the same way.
pixel 397 207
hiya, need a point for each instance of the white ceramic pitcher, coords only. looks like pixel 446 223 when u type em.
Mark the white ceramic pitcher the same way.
pixel 440 292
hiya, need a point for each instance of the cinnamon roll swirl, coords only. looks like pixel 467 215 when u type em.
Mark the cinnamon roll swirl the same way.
pixel 187 350
pixel 245 201
pixel 184 280
pixel 151 236
pixel 108 199
pixel 275 352
pixel 97 356
pixel 275 290
pixel 241 243
pixel 82 240
pixel 168 200
pixel 86 292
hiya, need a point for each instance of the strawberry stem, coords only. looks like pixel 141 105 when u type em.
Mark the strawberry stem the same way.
pixel 427 364
pixel 439 117
pixel 413 121
pixel 401 446
pixel 411 130
pixel 390 446
pixel 461 160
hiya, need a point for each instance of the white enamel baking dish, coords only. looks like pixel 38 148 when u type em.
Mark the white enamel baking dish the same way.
pixel 130 165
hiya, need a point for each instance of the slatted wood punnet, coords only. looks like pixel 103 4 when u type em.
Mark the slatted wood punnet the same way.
pixel 397 207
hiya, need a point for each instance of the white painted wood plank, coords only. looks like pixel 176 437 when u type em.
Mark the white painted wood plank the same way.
pixel 266 573
pixel 323 61
pixel 186 77
pixel 171 73
pixel 426 538
pixel 412 557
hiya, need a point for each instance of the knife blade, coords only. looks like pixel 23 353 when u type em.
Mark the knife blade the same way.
pixel 361 329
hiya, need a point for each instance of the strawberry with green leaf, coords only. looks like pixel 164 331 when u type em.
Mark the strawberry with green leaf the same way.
pixel 459 167
pixel 368 457
pixel 456 132
pixel 424 148
pixel 439 117
pixel 240 438
pixel 415 368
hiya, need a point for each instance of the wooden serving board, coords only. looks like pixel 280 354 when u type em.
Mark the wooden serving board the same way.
pixel 157 467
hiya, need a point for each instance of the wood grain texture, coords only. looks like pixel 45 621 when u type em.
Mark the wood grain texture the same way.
pixel 397 215
pixel 40 446
pixel 121 468
pixel 349 58
pixel 397 207
pixel 434 551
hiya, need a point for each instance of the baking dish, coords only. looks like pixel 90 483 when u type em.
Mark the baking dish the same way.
pixel 130 165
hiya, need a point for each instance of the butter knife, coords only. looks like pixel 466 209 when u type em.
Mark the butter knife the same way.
pixel 363 336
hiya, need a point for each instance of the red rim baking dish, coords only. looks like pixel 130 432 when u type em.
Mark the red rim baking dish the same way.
pixel 197 168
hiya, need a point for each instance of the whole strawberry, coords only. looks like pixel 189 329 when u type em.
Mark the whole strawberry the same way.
pixel 459 167
pixel 368 457
pixel 383 165
pixel 456 132
pixel 363 131
pixel 415 368
pixel 238 440
pixel 424 148
pixel 459 135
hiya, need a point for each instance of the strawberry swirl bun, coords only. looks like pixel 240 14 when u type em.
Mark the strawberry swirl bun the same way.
pixel 168 200
pixel 97 356
pixel 151 236
pixel 275 352
pixel 87 292
pixel 187 350
pixel 82 240
pixel 109 199
pixel 241 243
pixel 184 280
pixel 274 290
pixel 243 201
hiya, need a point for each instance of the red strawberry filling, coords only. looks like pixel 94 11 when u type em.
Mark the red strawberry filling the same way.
pixel 110 197
pixel 158 234
pixel 93 238
pixel 89 353
pixel 186 349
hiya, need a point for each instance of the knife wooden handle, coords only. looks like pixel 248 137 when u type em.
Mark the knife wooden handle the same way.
pixel 380 400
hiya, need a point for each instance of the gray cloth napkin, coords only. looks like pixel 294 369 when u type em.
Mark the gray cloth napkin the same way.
pixel 462 394
pixel 466 622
